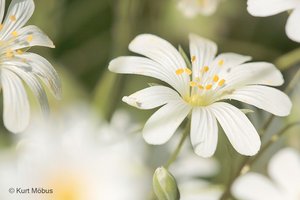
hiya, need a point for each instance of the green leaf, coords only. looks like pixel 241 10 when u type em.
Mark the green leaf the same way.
pixel 185 57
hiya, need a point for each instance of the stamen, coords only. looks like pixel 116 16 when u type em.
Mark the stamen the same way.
pixel 208 87
pixel 29 38
pixel 200 87
pixel 19 51
pixel 221 62
pixel 221 82
pixel 13 18
pixel 205 68
pixel 15 33
pixel 179 71
pixel 188 71
pixel 193 83
pixel 1 27
pixel 193 58
pixel 9 54
pixel 215 78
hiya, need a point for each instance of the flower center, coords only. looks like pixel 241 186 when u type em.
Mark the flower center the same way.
pixel 204 85
pixel 66 186
pixel 8 45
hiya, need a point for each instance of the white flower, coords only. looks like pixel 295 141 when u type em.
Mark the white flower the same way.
pixel 213 79
pixel 191 8
pixel 263 8
pixel 68 156
pixel 17 65
pixel 284 171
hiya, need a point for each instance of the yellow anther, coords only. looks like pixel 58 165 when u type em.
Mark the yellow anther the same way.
pixel 193 83
pixel 15 33
pixel 179 71
pixel 29 38
pixel 9 54
pixel 1 27
pixel 215 78
pixel 19 51
pixel 188 71
pixel 193 58
pixel 205 68
pixel 200 87
pixel 13 18
pixel 208 87
pixel 221 62
pixel 221 82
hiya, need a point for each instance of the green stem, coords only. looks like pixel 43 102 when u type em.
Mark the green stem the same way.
pixel 179 146
pixel 247 162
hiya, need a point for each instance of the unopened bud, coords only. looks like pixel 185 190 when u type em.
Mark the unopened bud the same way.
pixel 164 185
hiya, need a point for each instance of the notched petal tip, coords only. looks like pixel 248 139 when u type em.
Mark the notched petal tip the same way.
pixel 139 39
pixel 198 149
pixel 132 101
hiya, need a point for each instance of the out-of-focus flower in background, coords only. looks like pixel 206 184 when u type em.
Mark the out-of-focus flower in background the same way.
pixel 18 65
pixel 199 90
pixel 191 171
pixel 265 8
pixel 284 182
pixel 192 8
pixel 78 160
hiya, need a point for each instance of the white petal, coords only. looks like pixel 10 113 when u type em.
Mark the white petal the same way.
pixel 292 26
pixel 30 36
pixel 16 107
pixel 284 168
pixel 42 68
pixel 253 186
pixel 2 9
pixel 204 132
pixel 197 189
pixel 203 51
pixel 189 165
pixel 263 8
pixel 191 8
pixel 251 73
pixel 151 97
pixel 230 60
pixel 263 97
pixel 163 123
pixel 163 53
pixel 33 84
pixel 22 10
pixel 239 130
pixel 146 67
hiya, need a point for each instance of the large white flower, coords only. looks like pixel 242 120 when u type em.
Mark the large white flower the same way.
pixel 71 156
pixel 191 8
pixel 265 8
pixel 284 171
pixel 17 65
pixel 199 92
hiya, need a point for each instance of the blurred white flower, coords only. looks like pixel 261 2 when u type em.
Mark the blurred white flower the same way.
pixel 68 157
pixel 190 171
pixel 263 8
pixel 18 65
pixel 213 79
pixel 191 8
pixel 284 171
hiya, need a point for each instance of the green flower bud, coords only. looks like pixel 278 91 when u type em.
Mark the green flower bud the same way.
pixel 164 185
